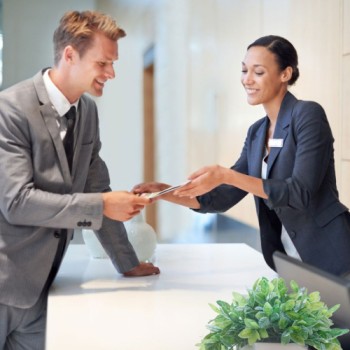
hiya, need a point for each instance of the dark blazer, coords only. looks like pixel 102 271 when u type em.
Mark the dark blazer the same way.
pixel 39 196
pixel 300 184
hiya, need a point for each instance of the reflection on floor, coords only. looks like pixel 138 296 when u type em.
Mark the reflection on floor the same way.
pixel 217 228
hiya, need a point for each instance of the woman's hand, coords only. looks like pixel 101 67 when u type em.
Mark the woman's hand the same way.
pixel 203 181
pixel 150 187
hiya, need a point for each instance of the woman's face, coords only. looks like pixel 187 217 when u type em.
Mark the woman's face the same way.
pixel 262 78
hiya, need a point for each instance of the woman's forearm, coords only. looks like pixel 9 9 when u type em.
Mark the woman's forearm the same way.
pixel 245 182
pixel 185 201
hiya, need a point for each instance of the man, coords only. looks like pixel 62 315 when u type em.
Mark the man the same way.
pixel 52 178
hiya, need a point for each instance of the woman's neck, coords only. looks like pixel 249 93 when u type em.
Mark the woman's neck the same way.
pixel 273 107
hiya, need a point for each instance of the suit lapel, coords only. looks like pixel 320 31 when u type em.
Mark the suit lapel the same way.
pixel 258 148
pixel 282 128
pixel 50 115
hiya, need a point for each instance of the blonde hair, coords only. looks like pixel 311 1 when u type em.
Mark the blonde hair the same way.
pixel 78 29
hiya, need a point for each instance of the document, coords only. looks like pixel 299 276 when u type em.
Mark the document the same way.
pixel 169 189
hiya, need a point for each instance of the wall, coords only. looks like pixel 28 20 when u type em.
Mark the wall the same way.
pixel 28 26
pixel 345 112
pixel 163 24
pixel 201 110
pixel 202 115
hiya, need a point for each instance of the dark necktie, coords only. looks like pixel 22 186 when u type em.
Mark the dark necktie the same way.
pixel 68 140
pixel 68 143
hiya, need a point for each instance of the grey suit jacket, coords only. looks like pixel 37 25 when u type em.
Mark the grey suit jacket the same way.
pixel 39 196
pixel 300 184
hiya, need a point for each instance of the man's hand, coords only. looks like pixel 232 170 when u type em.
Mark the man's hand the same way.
pixel 149 187
pixel 122 205
pixel 144 269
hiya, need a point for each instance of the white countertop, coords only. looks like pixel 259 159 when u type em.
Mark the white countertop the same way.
pixel 92 307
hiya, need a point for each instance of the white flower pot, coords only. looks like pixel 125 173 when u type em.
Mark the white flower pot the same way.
pixel 93 245
pixel 274 346
pixel 142 237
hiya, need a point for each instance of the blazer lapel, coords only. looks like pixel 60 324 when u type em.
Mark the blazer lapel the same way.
pixel 258 148
pixel 50 115
pixel 281 129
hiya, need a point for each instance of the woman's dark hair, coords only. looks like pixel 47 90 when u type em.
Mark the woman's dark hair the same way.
pixel 284 51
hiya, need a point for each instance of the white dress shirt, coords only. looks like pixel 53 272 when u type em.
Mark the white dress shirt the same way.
pixel 288 244
pixel 59 102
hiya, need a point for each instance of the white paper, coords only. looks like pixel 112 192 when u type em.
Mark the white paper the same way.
pixel 169 189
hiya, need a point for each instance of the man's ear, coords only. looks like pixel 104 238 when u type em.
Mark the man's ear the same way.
pixel 69 54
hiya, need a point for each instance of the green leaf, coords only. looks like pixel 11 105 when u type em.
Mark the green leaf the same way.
pixel 314 297
pixel 274 317
pixel 283 322
pixel 294 285
pixel 239 298
pixel 268 309
pixel 271 311
pixel 289 305
pixel 225 307
pixel 297 338
pixel 263 333
pixel 255 336
pixel 214 308
pixel 333 309
pixel 260 315
pixel 245 333
pixel 251 323
pixel 251 334
pixel 337 332
pixel 285 337
pixel 264 322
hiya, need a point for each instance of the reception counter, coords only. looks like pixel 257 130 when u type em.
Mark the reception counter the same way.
pixel 92 307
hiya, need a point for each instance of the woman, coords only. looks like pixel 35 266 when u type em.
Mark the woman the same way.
pixel 287 163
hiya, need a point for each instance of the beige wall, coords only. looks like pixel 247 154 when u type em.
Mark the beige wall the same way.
pixel 202 114
pixel 344 173
pixel 28 26
pixel 201 110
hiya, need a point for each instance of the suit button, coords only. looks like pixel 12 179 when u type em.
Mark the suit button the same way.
pixel 84 223
pixel 293 234
pixel 57 234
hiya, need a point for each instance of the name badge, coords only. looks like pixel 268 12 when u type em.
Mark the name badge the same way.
pixel 275 143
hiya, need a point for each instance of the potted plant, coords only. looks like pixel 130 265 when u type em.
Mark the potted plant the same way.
pixel 272 313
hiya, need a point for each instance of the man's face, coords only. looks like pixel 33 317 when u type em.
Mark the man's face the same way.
pixel 95 67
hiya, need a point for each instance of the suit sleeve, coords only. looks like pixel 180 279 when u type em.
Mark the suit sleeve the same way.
pixel 23 202
pixel 313 158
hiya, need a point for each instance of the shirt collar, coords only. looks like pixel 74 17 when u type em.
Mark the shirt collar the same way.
pixel 58 100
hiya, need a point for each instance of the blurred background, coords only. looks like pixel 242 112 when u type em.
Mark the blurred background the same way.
pixel 177 103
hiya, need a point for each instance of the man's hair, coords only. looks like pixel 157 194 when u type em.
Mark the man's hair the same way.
pixel 78 29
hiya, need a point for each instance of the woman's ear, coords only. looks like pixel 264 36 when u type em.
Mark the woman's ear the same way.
pixel 286 74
